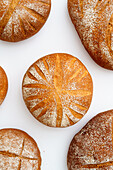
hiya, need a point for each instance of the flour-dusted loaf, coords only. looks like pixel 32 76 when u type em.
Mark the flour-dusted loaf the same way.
pixel 21 19
pixel 57 90
pixel 18 151
pixel 3 85
pixel 92 147
pixel 93 20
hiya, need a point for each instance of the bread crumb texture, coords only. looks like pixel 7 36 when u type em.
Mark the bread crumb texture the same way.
pixel 57 90
pixel 18 151
pixel 92 147
pixel 21 19
pixel 93 20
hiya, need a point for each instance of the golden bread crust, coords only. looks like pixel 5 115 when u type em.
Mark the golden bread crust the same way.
pixel 21 19
pixel 93 21
pixel 3 85
pixel 57 90
pixel 18 150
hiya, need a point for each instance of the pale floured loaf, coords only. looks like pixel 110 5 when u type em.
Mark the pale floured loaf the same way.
pixel 92 147
pixel 21 19
pixel 3 85
pixel 57 90
pixel 18 151
pixel 93 20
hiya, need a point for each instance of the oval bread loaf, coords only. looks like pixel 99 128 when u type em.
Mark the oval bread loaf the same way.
pixel 57 90
pixel 18 151
pixel 92 147
pixel 93 20
pixel 21 19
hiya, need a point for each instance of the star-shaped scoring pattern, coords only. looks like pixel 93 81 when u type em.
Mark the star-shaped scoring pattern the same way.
pixel 57 90
pixel 20 19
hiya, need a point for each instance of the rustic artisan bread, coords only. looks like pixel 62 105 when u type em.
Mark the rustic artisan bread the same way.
pixel 18 151
pixel 21 19
pixel 57 90
pixel 93 21
pixel 3 85
pixel 92 147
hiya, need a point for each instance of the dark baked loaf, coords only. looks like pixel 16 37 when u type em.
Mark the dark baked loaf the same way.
pixel 20 19
pixel 93 21
pixel 92 147
pixel 18 151
pixel 57 90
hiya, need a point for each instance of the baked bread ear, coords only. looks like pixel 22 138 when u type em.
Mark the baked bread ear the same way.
pixel 21 19
pixel 57 90
pixel 93 21
pixel 18 150
pixel 3 85
pixel 92 147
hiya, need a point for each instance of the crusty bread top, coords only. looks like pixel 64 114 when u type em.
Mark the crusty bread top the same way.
pixel 20 19
pixel 57 89
pixel 3 85
pixel 92 147
pixel 93 20
pixel 18 151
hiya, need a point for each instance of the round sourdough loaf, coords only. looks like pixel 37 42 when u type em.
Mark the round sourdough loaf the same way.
pixel 57 90
pixel 18 151
pixel 93 20
pixel 92 147
pixel 21 19
pixel 3 85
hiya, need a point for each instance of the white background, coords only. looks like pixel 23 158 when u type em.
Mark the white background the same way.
pixel 57 35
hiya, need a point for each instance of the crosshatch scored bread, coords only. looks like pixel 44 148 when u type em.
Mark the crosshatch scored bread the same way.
pixel 3 85
pixel 93 20
pixel 21 19
pixel 92 147
pixel 18 151
pixel 57 89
